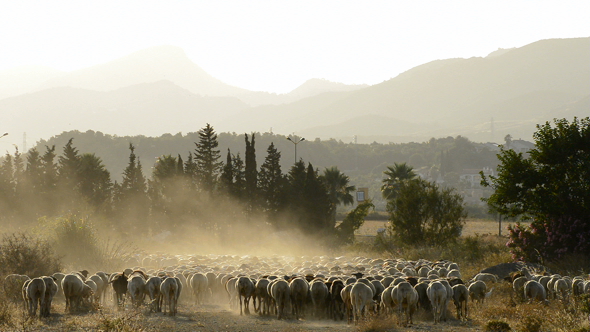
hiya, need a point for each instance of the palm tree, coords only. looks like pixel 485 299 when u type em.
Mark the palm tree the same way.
pixel 396 174
pixel 338 188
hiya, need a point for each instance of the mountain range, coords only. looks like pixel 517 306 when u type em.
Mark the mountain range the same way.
pixel 160 90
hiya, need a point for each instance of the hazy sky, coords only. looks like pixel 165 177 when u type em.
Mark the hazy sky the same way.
pixel 277 45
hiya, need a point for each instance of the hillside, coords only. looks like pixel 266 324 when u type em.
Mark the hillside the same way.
pixel 159 90
pixel 142 109
pixel 518 88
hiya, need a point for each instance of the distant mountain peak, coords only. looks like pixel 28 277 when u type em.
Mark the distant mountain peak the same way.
pixel 316 86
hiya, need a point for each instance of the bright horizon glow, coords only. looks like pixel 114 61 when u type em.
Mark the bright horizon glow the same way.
pixel 276 46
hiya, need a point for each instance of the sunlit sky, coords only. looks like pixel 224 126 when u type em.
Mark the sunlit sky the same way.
pixel 277 45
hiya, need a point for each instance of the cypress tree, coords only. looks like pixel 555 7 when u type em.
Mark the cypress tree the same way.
pixel 227 174
pixel 251 175
pixel 272 183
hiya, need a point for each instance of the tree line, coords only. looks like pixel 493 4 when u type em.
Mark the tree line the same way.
pixel 202 189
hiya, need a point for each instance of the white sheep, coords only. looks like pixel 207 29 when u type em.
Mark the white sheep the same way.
pixel 100 286
pixel 152 288
pixel 361 297
pixel 437 294
pixel 264 300
pixel 245 288
pixel 178 292
pixel 345 295
pixel 35 295
pixel 75 291
pixel 533 290
pixel 518 286
pixel 232 292
pixel 407 300
pixel 561 289
pixel 299 291
pixel 136 289
pixel 281 294
pixel 50 292
pixel 320 294
pixel 477 291
pixel 460 299
pixel 199 284
pixel 168 289
pixel 387 303
pixel 485 277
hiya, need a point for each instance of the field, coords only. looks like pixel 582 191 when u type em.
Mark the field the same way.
pixel 472 227
pixel 559 315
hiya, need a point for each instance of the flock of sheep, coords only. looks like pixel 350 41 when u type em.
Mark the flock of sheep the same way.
pixel 320 287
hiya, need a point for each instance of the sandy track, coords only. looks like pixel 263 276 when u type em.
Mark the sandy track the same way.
pixel 215 318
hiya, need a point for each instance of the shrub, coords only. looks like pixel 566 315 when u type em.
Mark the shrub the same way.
pixel 530 324
pixel 584 304
pixel 22 253
pixel 76 239
pixel 497 326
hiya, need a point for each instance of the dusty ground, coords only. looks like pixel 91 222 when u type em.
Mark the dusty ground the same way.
pixel 212 318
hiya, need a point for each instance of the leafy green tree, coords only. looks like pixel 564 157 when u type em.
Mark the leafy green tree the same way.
pixel 272 184
pixel 353 221
pixel 339 190
pixel 551 187
pixel 95 181
pixel 207 159
pixel 423 213
pixel 395 175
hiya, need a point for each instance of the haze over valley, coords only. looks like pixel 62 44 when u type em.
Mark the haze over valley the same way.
pixel 160 90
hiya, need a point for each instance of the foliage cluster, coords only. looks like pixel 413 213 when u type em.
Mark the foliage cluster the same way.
pixel 23 253
pixel 422 212
pixel 438 158
pixel 551 187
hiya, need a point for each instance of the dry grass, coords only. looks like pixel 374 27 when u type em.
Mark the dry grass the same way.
pixel 472 227
pixel 530 317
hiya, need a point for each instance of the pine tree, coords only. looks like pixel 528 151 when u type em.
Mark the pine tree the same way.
pixel 69 167
pixel 49 170
pixel 34 171
pixel 19 173
pixel 131 199
pixel 207 158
